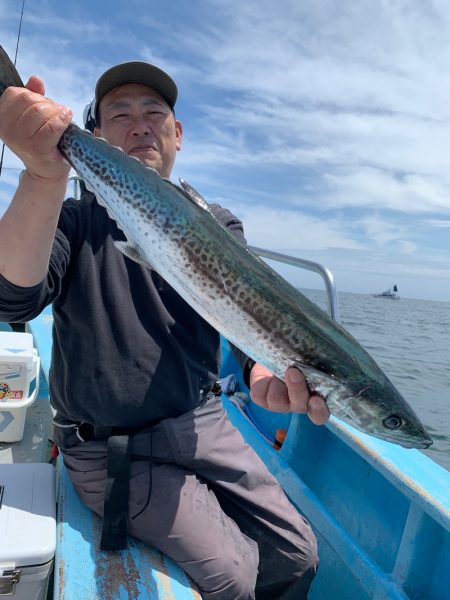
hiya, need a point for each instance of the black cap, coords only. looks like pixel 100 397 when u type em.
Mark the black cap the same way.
pixel 131 72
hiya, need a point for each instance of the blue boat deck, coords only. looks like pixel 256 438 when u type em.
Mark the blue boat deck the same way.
pixel 381 514
pixel 84 572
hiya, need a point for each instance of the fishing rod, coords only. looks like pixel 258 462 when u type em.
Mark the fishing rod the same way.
pixel 15 60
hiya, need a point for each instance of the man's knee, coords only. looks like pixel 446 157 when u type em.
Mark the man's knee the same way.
pixel 300 570
pixel 234 579
pixel 236 586
pixel 305 561
pixel 287 568
pixel 291 580
pixel 307 566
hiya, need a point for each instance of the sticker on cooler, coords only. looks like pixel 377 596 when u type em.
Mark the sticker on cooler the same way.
pixel 7 373
pixel 19 368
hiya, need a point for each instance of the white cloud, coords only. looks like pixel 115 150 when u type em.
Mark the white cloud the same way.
pixel 288 229
pixel 439 223
pixel 10 177
pixel 406 247
pixel 379 230
pixel 372 188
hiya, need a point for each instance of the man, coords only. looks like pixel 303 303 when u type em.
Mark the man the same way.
pixel 133 366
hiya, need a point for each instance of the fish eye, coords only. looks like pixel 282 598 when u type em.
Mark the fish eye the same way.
pixel 393 422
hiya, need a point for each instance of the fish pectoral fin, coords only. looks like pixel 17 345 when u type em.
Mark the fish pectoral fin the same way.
pixel 133 253
pixel 104 204
pixel 90 188
pixel 98 197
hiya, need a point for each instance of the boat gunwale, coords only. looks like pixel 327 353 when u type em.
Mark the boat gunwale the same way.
pixel 393 463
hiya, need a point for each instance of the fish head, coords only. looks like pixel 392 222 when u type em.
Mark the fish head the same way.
pixel 379 409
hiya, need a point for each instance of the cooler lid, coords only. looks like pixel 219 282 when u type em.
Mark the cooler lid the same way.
pixel 16 347
pixel 27 513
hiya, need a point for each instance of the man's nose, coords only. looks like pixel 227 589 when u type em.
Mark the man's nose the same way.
pixel 140 126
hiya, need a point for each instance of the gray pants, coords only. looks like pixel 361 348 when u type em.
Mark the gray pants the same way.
pixel 213 507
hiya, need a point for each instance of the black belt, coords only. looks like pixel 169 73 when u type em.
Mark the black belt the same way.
pixel 87 432
pixel 117 490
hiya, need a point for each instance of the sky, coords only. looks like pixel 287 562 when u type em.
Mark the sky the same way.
pixel 323 125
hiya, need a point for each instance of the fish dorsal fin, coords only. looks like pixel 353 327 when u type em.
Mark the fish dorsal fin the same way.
pixel 8 73
pixel 194 196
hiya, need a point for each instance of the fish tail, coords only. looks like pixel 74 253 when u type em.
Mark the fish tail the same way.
pixel 8 73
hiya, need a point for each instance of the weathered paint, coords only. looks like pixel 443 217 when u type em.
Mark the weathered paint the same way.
pixel 87 573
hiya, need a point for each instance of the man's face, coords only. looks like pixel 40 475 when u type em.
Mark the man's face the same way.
pixel 137 119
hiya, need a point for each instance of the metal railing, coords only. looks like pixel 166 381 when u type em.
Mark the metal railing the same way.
pixel 75 180
pixel 302 263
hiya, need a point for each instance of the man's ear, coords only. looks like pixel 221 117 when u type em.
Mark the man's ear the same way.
pixel 179 133
pixel 97 132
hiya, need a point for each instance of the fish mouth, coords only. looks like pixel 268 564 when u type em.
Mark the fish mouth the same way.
pixel 419 445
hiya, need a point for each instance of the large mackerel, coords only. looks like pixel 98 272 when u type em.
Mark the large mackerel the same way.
pixel 173 231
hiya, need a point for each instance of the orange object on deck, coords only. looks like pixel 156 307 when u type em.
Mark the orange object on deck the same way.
pixel 280 436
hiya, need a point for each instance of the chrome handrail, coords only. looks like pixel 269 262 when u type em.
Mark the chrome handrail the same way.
pixel 309 265
pixel 76 186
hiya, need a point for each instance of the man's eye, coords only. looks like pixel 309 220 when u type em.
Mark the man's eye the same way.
pixel 119 116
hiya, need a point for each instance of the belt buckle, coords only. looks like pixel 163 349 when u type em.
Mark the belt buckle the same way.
pixel 84 432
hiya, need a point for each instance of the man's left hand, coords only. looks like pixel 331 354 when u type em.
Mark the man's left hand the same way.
pixel 290 395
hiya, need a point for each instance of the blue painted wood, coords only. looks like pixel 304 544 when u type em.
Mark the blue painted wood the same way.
pixel 381 513
pixel 84 572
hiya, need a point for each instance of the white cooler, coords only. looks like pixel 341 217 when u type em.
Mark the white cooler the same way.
pixel 19 366
pixel 27 529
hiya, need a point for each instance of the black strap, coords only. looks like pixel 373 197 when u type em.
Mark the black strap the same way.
pixel 115 512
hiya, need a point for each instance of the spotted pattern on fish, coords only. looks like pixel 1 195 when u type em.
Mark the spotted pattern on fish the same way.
pixel 237 292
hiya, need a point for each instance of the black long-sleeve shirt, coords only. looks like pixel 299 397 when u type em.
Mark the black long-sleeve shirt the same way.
pixel 127 349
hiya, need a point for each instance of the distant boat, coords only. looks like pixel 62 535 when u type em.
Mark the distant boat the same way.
pixel 391 293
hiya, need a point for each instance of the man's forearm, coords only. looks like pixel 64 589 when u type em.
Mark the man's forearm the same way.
pixel 27 229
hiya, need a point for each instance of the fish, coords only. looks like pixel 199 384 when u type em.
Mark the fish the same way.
pixel 171 229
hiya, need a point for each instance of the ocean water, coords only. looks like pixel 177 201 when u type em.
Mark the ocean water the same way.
pixel 410 340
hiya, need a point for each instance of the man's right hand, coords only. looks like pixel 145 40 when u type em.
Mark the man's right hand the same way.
pixel 31 126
